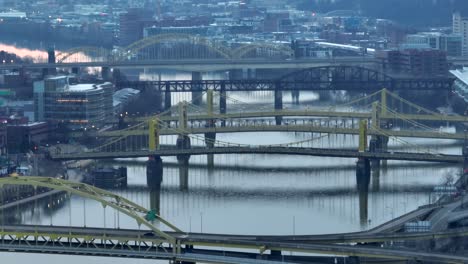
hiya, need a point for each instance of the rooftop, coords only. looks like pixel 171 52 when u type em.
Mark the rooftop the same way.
pixel 461 74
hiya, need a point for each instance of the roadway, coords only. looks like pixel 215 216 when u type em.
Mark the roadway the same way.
pixel 307 128
pixel 207 65
pixel 306 113
pixel 320 152
pixel 204 65
pixel 73 239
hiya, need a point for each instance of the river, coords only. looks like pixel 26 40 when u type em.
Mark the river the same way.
pixel 254 194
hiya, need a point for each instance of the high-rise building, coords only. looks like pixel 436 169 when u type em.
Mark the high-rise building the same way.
pixel 415 62
pixel 131 25
pixel 450 43
pixel 77 106
pixel 460 27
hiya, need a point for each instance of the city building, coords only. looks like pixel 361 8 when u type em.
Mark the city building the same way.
pixel 415 62
pixel 131 25
pixel 25 137
pixel 460 27
pixel 78 106
pixel 123 98
pixel 450 43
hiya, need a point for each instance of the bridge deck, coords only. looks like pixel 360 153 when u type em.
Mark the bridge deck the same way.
pixel 321 152
pixel 285 243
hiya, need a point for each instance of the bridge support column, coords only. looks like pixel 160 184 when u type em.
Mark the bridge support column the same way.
pixel 235 74
pixel 155 197
pixel 75 70
pixel 374 146
pixel 106 74
pixel 167 96
pixel 197 89
pixel 363 173
pixel 223 102
pixel 183 173
pixel 295 96
pixel 154 172
pixel 278 103
pixel 183 140
pixel 51 60
pixel 210 137
pixel 383 147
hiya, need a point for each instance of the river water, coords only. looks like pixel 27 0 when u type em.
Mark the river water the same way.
pixel 254 194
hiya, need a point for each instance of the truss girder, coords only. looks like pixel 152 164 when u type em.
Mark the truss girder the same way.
pixel 106 198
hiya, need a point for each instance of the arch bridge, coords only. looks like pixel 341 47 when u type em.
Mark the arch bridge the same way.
pixel 176 47
pixel 179 246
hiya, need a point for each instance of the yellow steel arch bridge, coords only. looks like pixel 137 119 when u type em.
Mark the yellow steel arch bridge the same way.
pixel 175 46
pixel 143 139
pixel 179 246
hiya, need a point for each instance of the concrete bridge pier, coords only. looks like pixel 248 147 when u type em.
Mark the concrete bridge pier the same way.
pixel 155 198
pixel 106 74
pixel 154 172
pixel 75 71
pixel 51 60
pixel 374 146
pixel 183 142
pixel 197 91
pixel 375 171
pixel 210 139
pixel 295 96
pixel 235 74
pixel 251 73
pixel 183 174
pixel 167 97
pixel 363 173
pixel 383 147
pixel 278 103
pixel 223 102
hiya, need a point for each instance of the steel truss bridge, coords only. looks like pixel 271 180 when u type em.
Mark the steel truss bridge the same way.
pixel 204 65
pixel 178 246
pixel 325 78
pixel 143 139
pixel 319 152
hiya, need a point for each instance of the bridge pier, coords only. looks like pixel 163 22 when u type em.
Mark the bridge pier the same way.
pixel 51 60
pixel 106 74
pixel 362 181
pixel 235 74
pixel 197 91
pixel 251 74
pixel 75 71
pixel 167 97
pixel 278 103
pixel 154 172
pixel 210 139
pixel 222 102
pixel 295 96
pixel 183 174
pixel 183 142
pixel 155 198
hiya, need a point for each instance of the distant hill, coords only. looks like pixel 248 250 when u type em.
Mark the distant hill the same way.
pixel 411 12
